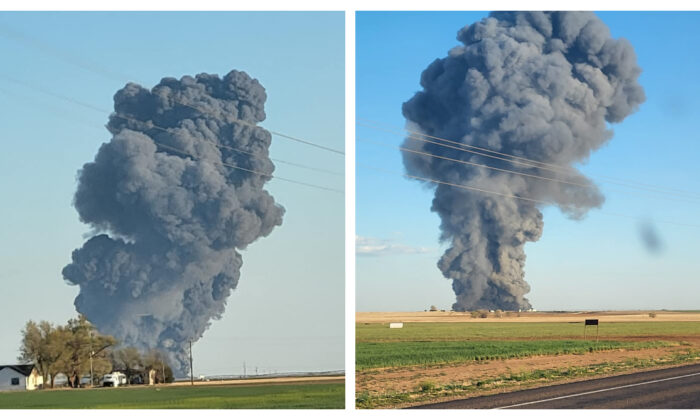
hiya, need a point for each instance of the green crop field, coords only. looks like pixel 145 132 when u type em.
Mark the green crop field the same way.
pixel 461 331
pixel 405 366
pixel 309 396
pixel 410 353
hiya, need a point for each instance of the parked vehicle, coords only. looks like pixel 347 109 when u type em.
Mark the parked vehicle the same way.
pixel 85 381
pixel 114 379
pixel 60 380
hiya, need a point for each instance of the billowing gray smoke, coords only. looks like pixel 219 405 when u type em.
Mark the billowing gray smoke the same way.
pixel 540 86
pixel 171 215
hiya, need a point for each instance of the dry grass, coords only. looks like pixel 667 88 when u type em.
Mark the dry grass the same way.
pixel 607 316
pixel 400 386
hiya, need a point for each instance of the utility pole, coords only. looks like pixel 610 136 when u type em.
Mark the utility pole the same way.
pixel 191 371
pixel 244 369
pixel 92 353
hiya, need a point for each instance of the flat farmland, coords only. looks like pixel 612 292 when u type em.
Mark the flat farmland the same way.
pixel 439 356
pixel 411 353
pixel 310 395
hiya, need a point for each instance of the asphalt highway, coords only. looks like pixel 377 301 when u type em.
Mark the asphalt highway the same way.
pixel 677 387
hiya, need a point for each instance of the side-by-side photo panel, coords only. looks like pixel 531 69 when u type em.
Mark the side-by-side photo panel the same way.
pixel 174 210
pixel 526 203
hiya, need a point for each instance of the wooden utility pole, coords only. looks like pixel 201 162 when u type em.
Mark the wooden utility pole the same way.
pixel 191 371
pixel 92 353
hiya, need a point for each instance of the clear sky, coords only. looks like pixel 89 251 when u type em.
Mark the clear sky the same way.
pixel 597 263
pixel 288 311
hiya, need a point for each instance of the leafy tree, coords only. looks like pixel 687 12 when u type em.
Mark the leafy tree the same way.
pixel 43 345
pixel 79 339
pixel 128 359
pixel 32 348
pixel 73 344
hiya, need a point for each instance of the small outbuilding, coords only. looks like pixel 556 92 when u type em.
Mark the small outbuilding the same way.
pixel 19 378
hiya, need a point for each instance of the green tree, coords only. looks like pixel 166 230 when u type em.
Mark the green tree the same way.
pixel 43 344
pixel 129 360
pixel 80 340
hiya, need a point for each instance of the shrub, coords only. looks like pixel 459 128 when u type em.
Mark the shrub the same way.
pixel 427 386
pixel 652 314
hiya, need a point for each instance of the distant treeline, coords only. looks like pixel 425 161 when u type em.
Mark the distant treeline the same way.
pixel 66 349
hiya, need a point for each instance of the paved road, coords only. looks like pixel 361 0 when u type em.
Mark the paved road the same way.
pixel 677 387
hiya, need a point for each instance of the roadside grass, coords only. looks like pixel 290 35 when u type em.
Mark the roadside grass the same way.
pixel 461 331
pixel 283 396
pixel 526 379
pixel 430 353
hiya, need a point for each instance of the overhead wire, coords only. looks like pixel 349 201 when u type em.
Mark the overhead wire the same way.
pixel 223 146
pixel 480 165
pixel 518 197
pixel 452 184
pixel 243 122
pixel 517 160
pixel 15 35
pixel 98 109
pixel 191 156
pixel 228 165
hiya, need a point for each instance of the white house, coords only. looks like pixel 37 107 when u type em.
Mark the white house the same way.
pixel 19 378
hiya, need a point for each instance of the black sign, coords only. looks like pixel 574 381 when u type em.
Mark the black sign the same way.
pixel 591 322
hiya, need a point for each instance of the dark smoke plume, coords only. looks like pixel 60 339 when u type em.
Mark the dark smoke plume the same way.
pixel 171 216
pixel 541 86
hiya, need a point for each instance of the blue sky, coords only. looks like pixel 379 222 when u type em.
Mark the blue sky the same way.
pixel 287 313
pixel 597 263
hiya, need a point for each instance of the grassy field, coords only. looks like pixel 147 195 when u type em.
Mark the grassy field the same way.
pixel 461 356
pixel 411 353
pixel 432 390
pixel 452 331
pixel 309 396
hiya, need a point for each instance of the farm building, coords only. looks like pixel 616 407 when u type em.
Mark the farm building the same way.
pixel 19 378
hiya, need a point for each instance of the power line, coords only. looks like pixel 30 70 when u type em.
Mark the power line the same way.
pixel 451 184
pixel 465 162
pixel 228 165
pixel 55 95
pixel 475 164
pixel 308 143
pixel 15 35
pixel 223 146
pixel 150 123
pixel 518 197
pixel 529 162
pixel 78 61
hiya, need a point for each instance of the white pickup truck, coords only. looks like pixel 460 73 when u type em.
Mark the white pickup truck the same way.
pixel 114 379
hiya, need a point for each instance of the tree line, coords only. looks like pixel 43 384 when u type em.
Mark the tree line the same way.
pixel 66 349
